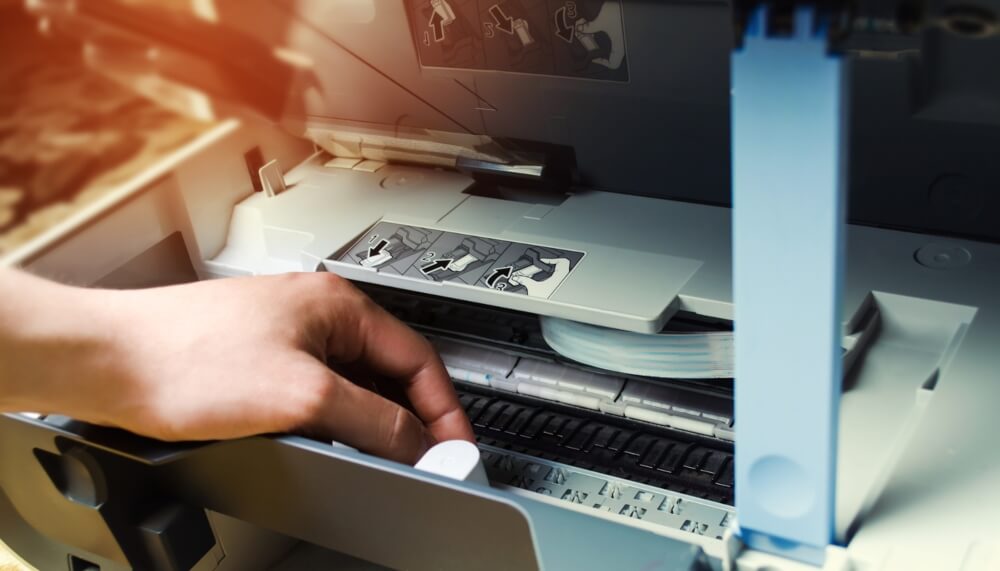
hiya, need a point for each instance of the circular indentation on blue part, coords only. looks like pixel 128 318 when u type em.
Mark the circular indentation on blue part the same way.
pixel 781 487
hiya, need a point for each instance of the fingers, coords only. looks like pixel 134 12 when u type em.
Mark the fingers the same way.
pixel 362 419
pixel 394 350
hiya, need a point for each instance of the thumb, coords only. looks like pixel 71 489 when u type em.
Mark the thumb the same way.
pixel 367 421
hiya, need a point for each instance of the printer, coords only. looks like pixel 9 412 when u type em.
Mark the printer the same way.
pixel 717 282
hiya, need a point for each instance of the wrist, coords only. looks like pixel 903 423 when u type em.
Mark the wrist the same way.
pixel 58 345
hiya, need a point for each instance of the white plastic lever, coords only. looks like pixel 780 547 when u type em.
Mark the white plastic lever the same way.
pixel 271 179
pixel 456 459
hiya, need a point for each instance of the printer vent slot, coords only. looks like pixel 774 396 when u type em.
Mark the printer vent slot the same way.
pixel 254 160
pixel 78 564
pixel 931 383
pixel 516 194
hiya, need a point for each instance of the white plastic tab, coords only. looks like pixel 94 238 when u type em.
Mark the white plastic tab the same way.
pixel 456 459
pixel 656 396
pixel 470 376
pixel 369 166
pixel 671 420
pixel 540 372
pixel 565 397
pixel 474 358
pixel 342 163
pixel 271 179
pixel 666 406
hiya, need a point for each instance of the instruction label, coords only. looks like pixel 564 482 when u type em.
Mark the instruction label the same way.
pixel 571 38
pixel 512 267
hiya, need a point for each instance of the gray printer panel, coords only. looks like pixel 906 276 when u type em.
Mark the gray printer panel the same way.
pixel 663 131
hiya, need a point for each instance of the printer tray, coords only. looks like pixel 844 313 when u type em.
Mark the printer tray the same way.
pixel 103 490
pixel 73 492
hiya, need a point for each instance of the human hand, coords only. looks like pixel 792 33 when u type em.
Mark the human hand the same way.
pixel 237 357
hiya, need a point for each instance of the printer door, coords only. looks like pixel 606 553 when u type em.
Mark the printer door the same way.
pixel 117 501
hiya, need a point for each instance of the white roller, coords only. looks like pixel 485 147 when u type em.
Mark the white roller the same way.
pixel 707 355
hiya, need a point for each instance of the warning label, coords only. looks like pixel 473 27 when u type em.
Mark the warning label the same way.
pixel 572 38
pixel 417 252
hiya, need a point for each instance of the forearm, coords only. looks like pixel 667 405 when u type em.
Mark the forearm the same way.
pixel 54 344
pixel 224 359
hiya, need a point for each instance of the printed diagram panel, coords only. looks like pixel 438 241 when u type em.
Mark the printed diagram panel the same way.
pixel 571 38
pixel 531 270
pixel 509 31
pixel 392 248
pixel 423 253
pixel 455 257
pixel 447 33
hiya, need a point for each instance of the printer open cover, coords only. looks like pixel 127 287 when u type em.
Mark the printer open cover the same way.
pixel 544 189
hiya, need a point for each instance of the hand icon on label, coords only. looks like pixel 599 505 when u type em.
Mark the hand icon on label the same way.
pixel 609 21
pixel 377 260
pixel 460 264
pixel 545 287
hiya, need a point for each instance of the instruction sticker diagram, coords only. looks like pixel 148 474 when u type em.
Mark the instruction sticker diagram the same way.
pixel 424 253
pixel 571 38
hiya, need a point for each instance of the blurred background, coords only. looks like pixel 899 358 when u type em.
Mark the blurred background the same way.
pixel 67 134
